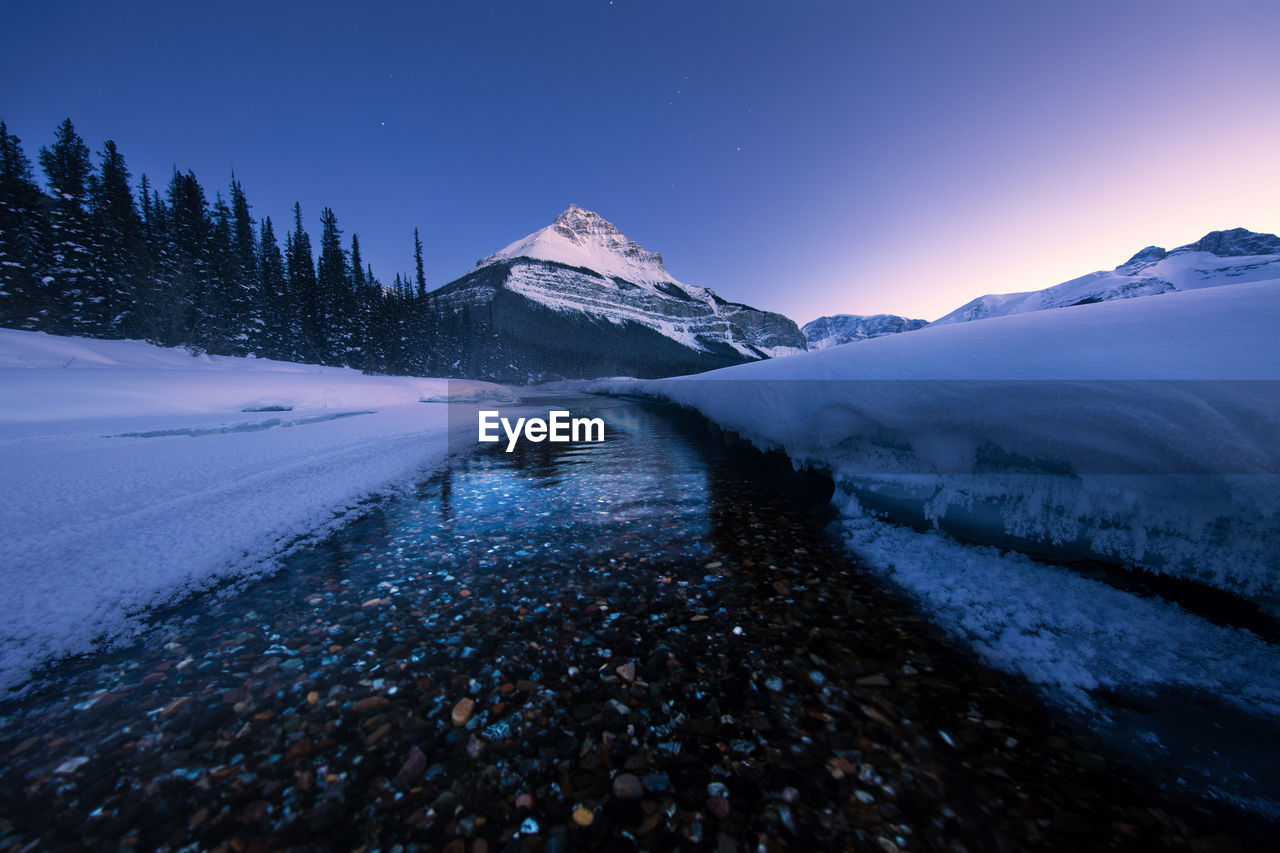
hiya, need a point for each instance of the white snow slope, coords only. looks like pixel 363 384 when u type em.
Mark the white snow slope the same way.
pixel 961 426
pixel 583 238
pixel 133 476
pixel 1236 256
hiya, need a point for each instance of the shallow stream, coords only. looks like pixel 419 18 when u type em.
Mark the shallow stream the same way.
pixel 651 642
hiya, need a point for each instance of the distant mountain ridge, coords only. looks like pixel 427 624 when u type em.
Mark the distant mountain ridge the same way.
pixel 845 328
pixel 579 299
pixel 1233 256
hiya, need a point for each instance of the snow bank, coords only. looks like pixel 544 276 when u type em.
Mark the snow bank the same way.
pixel 1068 633
pixel 134 474
pixel 72 378
pixel 1140 431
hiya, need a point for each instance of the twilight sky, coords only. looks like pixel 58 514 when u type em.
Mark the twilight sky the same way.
pixel 804 157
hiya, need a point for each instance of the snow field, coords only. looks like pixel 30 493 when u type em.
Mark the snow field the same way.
pixel 133 477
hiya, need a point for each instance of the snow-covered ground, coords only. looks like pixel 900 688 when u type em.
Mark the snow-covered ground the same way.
pixel 135 474
pixel 1139 431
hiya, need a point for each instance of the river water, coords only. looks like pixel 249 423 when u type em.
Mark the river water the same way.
pixel 650 642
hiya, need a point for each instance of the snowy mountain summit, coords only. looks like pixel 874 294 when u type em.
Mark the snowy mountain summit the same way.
pixel 1234 256
pixel 584 238
pixel 839 329
pixel 580 299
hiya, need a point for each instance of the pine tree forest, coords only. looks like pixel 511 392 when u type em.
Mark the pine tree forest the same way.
pixel 93 253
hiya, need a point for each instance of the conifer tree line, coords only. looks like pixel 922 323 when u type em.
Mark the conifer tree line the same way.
pixel 92 254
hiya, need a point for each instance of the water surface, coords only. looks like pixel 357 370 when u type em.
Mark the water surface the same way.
pixel 649 642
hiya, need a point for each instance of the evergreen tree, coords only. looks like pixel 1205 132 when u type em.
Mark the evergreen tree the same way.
pixel 421 280
pixel 22 236
pixel 181 308
pixel 394 330
pixel 357 265
pixel 418 322
pixel 337 308
pixel 150 291
pixel 304 299
pixel 377 297
pixel 72 302
pixel 273 298
pixel 365 312
pixel 118 247
pixel 221 331
pixel 144 203
pixel 246 302
pixel 146 288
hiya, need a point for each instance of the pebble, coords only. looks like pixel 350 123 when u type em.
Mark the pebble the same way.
pixel 462 711
pixel 656 782
pixel 583 817
pixel 719 807
pixel 412 769
pixel 371 703
pixel 71 765
pixel 627 786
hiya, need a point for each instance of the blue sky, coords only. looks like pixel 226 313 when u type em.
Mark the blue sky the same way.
pixel 810 158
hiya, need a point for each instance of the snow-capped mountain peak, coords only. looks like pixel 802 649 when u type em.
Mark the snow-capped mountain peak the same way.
pixel 839 329
pixel 584 227
pixel 1234 243
pixel 1142 260
pixel 584 238
pixel 579 298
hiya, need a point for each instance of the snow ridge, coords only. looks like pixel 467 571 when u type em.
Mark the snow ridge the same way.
pixel 845 328
pixel 1234 256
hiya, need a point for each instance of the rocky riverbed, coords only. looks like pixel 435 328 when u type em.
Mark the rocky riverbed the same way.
pixel 651 643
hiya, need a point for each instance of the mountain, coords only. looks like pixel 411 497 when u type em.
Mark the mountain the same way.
pixel 1217 258
pixel 579 299
pixel 843 328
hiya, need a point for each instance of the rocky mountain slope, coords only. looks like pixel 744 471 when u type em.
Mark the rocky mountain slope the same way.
pixel 844 328
pixel 578 299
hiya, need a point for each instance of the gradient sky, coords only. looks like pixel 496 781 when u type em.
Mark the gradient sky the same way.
pixel 804 157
